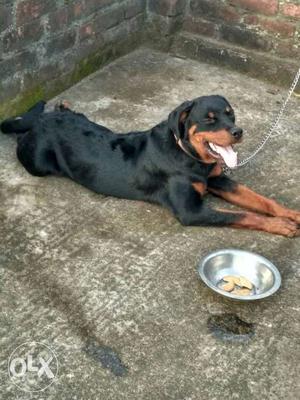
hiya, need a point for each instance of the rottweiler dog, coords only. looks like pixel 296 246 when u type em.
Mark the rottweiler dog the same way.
pixel 173 164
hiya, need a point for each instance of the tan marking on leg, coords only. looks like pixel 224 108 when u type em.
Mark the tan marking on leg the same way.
pixel 247 198
pixel 66 104
pixel 216 171
pixel 275 225
pixel 199 187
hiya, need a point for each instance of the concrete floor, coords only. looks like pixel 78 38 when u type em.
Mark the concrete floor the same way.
pixel 111 285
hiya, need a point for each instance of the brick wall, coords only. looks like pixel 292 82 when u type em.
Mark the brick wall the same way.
pixel 46 45
pixel 258 37
pixel 164 19
pixel 271 26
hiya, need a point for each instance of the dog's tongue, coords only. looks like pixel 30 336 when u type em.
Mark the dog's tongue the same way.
pixel 227 153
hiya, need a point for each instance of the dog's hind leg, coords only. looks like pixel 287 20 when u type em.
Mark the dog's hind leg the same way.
pixel 37 160
pixel 63 105
pixel 24 122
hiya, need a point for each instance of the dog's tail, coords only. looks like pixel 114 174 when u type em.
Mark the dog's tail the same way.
pixel 24 122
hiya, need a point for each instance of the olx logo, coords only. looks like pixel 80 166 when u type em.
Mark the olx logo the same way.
pixel 33 366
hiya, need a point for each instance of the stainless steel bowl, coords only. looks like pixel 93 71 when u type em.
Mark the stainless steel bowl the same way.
pixel 263 275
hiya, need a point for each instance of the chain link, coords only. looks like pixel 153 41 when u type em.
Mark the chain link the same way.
pixel 274 126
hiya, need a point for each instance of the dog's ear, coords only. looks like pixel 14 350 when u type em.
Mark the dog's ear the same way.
pixel 178 117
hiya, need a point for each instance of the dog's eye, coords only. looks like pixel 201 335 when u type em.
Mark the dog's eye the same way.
pixel 210 118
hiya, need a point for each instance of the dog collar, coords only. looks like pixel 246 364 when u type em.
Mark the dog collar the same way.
pixel 181 145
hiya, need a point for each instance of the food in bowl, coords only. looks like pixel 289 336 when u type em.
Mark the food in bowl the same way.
pixel 238 285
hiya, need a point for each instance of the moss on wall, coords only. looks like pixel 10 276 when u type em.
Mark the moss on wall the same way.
pixel 84 67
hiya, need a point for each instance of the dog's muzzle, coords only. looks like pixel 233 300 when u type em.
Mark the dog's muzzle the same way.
pixel 236 132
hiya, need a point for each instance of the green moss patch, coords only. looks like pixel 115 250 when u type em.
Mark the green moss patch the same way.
pixel 86 66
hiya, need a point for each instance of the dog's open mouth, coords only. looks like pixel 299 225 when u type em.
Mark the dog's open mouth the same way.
pixel 227 154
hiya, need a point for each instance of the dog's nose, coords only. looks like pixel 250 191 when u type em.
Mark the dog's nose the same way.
pixel 237 133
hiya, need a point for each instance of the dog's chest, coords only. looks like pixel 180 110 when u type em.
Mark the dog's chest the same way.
pixel 216 171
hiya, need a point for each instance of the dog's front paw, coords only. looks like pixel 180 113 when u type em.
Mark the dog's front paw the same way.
pixel 294 216
pixel 283 226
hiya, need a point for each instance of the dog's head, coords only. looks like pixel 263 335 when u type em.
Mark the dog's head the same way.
pixel 207 124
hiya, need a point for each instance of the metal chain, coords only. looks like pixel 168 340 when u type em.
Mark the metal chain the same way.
pixel 273 127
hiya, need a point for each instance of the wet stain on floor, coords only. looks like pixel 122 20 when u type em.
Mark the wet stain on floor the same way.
pixel 107 357
pixel 229 327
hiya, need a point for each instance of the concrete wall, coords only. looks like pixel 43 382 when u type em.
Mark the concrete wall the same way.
pixel 47 45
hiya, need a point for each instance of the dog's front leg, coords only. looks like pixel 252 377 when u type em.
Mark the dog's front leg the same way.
pixel 242 196
pixel 185 199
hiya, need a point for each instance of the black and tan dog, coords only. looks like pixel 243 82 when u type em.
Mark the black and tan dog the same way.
pixel 173 164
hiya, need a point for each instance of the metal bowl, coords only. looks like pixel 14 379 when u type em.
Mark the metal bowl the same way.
pixel 263 275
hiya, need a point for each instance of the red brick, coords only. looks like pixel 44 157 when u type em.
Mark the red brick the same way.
pixel 229 14
pixel 59 19
pixel 27 10
pixel 245 37
pixel 283 28
pixel 16 63
pixel 100 23
pixel 6 17
pixel 167 7
pixel 214 10
pixel 287 49
pixel 291 10
pixel 251 19
pixel 200 26
pixel 90 6
pixel 19 38
pixel 58 44
pixel 134 7
pixel 268 7
pixel 87 31
pixel 78 9
pixel 63 17
pixel 109 19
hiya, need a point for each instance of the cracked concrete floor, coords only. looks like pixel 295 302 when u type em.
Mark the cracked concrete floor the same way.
pixel 87 274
